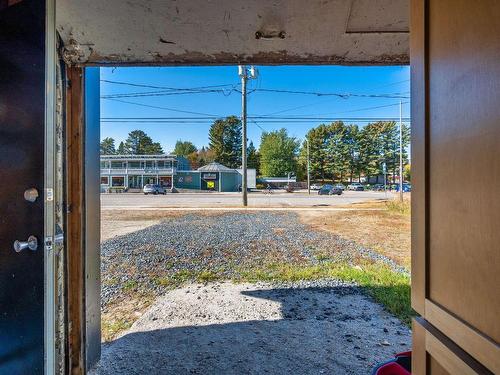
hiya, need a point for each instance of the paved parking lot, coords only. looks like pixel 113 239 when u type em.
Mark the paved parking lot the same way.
pixel 277 199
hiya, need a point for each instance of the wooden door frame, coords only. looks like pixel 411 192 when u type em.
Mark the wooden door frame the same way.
pixel 75 219
pixel 82 222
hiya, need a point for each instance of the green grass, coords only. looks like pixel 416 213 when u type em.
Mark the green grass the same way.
pixel 207 276
pixel 129 284
pixel 385 286
pixel 322 257
pixel 184 276
pixel 164 281
pixel 111 328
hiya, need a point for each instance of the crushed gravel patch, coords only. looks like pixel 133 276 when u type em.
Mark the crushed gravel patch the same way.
pixel 224 243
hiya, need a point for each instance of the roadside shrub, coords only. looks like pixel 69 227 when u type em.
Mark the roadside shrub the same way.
pixel 395 205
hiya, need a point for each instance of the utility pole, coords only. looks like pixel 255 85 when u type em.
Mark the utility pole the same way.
pixel 308 169
pixel 244 74
pixel 401 151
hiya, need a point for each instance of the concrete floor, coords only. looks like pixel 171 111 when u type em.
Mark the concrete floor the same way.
pixel 227 200
pixel 311 328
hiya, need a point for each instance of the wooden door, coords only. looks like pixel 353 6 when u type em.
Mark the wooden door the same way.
pixel 455 52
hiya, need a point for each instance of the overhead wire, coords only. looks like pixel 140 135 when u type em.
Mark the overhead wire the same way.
pixel 340 95
pixel 164 87
pixel 164 108
pixel 217 88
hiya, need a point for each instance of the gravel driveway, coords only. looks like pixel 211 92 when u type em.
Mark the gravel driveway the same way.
pixel 324 327
pixel 183 246
pixel 320 327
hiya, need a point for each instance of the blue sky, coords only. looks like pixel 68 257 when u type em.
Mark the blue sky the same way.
pixel 322 79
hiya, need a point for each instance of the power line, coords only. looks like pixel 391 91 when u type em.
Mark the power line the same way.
pixel 316 103
pixel 164 108
pixel 265 121
pixel 261 119
pixel 365 109
pixel 210 117
pixel 227 92
pixel 171 92
pixel 391 84
pixel 256 123
pixel 164 87
pixel 334 113
pixel 340 95
pixel 217 89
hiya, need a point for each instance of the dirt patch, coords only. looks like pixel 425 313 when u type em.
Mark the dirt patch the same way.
pixel 324 327
pixel 384 231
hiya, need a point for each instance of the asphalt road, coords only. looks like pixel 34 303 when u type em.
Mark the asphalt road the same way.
pixel 277 199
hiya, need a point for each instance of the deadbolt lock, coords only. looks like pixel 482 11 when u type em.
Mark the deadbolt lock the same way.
pixel 31 195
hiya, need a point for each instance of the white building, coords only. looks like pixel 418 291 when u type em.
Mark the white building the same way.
pixel 134 171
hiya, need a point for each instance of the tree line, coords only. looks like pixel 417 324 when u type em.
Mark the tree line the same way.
pixel 341 152
pixel 137 143
pixel 337 151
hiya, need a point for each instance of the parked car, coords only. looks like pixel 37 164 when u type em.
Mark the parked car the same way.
pixel 315 187
pixel 356 186
pixel 154 189
pixel 329 190
pixel 340 186
pixel 406 188
pixel 379 187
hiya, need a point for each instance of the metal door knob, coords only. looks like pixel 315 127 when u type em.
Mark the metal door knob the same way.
pixel 31 244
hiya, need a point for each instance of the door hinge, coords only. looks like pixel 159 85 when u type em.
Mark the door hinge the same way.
pixel 49 194
pixel 48 243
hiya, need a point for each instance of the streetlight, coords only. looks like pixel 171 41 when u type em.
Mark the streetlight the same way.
pixel 245 73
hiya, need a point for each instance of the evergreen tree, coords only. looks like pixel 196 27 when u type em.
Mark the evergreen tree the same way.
pixel 107 146
pixel 253 158
pixel 184 148
pixel 370 150
pixel 351 138
pixel 121 149
pixel 318 138
pixel 337 162
pixel 139 143
pixel 225 141
pixel 338 151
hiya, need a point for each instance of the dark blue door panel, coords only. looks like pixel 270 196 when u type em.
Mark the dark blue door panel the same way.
pixel 22 82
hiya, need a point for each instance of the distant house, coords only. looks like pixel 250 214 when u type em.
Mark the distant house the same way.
pixel 214 177
pixel 134 171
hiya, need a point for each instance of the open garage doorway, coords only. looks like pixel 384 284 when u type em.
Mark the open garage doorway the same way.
pixel 50 272
pixel 321 250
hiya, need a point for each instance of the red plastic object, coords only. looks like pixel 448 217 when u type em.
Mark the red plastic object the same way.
pixel 400 365
pixel 392 368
